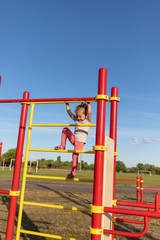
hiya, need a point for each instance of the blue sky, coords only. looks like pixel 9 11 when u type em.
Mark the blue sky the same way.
pixel 55 48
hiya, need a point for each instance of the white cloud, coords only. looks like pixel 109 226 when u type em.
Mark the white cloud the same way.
pixel 135 142
pixel 143 141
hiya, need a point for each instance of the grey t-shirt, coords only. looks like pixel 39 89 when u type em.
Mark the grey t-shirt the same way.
pixel 81 133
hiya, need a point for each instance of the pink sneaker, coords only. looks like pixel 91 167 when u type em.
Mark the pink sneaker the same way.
pixel 70 175
pixel 60 147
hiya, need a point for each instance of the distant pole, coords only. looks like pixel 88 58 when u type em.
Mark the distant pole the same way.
pixel 80 167
pixel 37 166
pixel 30 166
pixel 3 164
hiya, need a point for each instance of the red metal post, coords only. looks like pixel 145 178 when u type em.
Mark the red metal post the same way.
pixel 17 168
pixel 0 150
pixel 137 189
pixel 141 189
pixel 157 202
pixel 99 154
pixel 113 135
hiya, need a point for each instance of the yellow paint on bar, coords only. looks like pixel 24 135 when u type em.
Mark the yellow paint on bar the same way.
pixel 59 178
pixel 53 150
pixel 56 206
pixel 63 125
pixel 60 102
pixel 45 235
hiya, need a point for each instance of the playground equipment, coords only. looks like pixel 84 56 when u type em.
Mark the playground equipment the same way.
pixel 0 150
pixel 104 205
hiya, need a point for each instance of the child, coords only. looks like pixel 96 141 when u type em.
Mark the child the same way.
pixel 78 139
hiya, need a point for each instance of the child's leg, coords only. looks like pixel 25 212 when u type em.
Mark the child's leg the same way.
pixel 77 146
pixel 66 133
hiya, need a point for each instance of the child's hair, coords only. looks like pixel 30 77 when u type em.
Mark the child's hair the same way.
pixel 83 106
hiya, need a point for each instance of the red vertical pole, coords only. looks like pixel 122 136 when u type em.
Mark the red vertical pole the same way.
pixel 17 168
pixel 0 150
pixel 157 202
pixel 141 189
pixel 113 134
pixel 99 154
pixel 137 189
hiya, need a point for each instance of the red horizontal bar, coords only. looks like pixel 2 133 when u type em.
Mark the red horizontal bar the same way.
pixel 157 189
pixel 4 192
pixel 48 100
pixel 129 234
pixel 129 221
pixel 127 180
pixel 134 204
pixel 132 212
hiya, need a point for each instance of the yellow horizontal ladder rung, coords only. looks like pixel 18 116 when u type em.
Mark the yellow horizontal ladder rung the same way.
pixel 62 125
pixel 50 102
pixel 59 178
pixel 65 151
pixel 45 235
pixel 56 206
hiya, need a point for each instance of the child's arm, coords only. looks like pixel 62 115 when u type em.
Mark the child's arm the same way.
pixel 69 111
pixel 89 112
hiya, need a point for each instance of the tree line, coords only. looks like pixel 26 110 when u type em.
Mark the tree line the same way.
pixel 58 163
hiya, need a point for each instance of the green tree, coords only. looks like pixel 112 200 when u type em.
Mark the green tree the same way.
pixel 120 167
pixel 140 166
pixel 10 154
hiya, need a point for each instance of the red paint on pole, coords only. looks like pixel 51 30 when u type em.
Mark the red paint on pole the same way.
pixel 17 168
pixel 137 189
pixel 141 185
pixel 99 155
pixel 113 135
pixel 0 80
pixel 0 149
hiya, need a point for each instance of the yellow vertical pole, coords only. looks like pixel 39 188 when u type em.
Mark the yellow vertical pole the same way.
pixel 25 173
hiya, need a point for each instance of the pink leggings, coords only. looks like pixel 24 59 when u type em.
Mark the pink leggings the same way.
pixel 66 133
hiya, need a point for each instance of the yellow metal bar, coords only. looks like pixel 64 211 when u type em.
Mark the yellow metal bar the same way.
pixel 46 235
pixel 60 102
pixel 24 173
pixel 63 125
pixel 59 178
pixel 53 150
pixel 56 206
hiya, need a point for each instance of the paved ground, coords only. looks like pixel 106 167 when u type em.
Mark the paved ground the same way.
pixel 70 186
